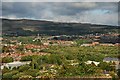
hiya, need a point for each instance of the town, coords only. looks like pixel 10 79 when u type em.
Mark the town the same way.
pixel 43 56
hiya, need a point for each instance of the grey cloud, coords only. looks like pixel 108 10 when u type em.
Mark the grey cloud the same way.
pixel 62 11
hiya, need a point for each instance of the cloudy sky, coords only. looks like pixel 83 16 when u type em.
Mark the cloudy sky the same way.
pixel 85 12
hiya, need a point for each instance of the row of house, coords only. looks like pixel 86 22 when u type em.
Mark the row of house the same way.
pixel 17 56
pixel 58 42
pixel 101 44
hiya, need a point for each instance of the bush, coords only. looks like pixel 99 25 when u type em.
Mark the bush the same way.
pixel 26 58
pixel 5 49
pixel 18 75
pixel 54 59
pixel 69 56
pixel 32 72
pixel 24 68
pixel 26 76
pixel 106 66
pixel 5 70
pixel 42 60
pixel 9 74
pixel 118 73
pixel 7 59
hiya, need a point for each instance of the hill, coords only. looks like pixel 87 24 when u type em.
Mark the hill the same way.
pixel 27 27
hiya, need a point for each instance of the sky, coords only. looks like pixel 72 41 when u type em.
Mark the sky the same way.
pixel 84 12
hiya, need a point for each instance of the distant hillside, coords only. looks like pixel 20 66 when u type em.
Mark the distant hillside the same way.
pixel 25 27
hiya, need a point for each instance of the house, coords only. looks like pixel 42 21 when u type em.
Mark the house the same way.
pixel 109 59
pixel 92 62
pixel 86 45
pixel 107 73
pixel 107 44
pixel 95 43
pixel 117 44
pixel 115 61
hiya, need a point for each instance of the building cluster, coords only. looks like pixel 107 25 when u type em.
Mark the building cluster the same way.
pixel 100 44
pixel 58 42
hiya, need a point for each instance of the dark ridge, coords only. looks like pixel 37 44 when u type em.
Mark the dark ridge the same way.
pixel 27 27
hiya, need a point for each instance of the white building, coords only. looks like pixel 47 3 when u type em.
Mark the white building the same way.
pixel 14 64
pixel 90 62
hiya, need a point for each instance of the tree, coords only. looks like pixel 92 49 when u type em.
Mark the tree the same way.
pixel 7 59
pixel 5 49
pixel 38 42
pixel 26 58
pixel 69 56
pixel 34 64
pixel 9 74
pixel 20 48
pixel 24 68
pixel 32 72
pixel 81 41
pixel 106 66
pixel 118 73
pixel 5 70
pixel 18 75
pixel 51 43
pixel 26 77
pixel 54 59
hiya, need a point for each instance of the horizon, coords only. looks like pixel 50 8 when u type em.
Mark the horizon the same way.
pixel 59 22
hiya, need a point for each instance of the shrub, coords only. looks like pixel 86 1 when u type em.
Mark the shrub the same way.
pixel 18 75
pixel 9 74
pixel 26 58
pixel 118 73
pixel 5 49
pixel 32 72
pixel 5 70
pixel 23 68
pixel 106 66
pixel 26 76
pixel 7 59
